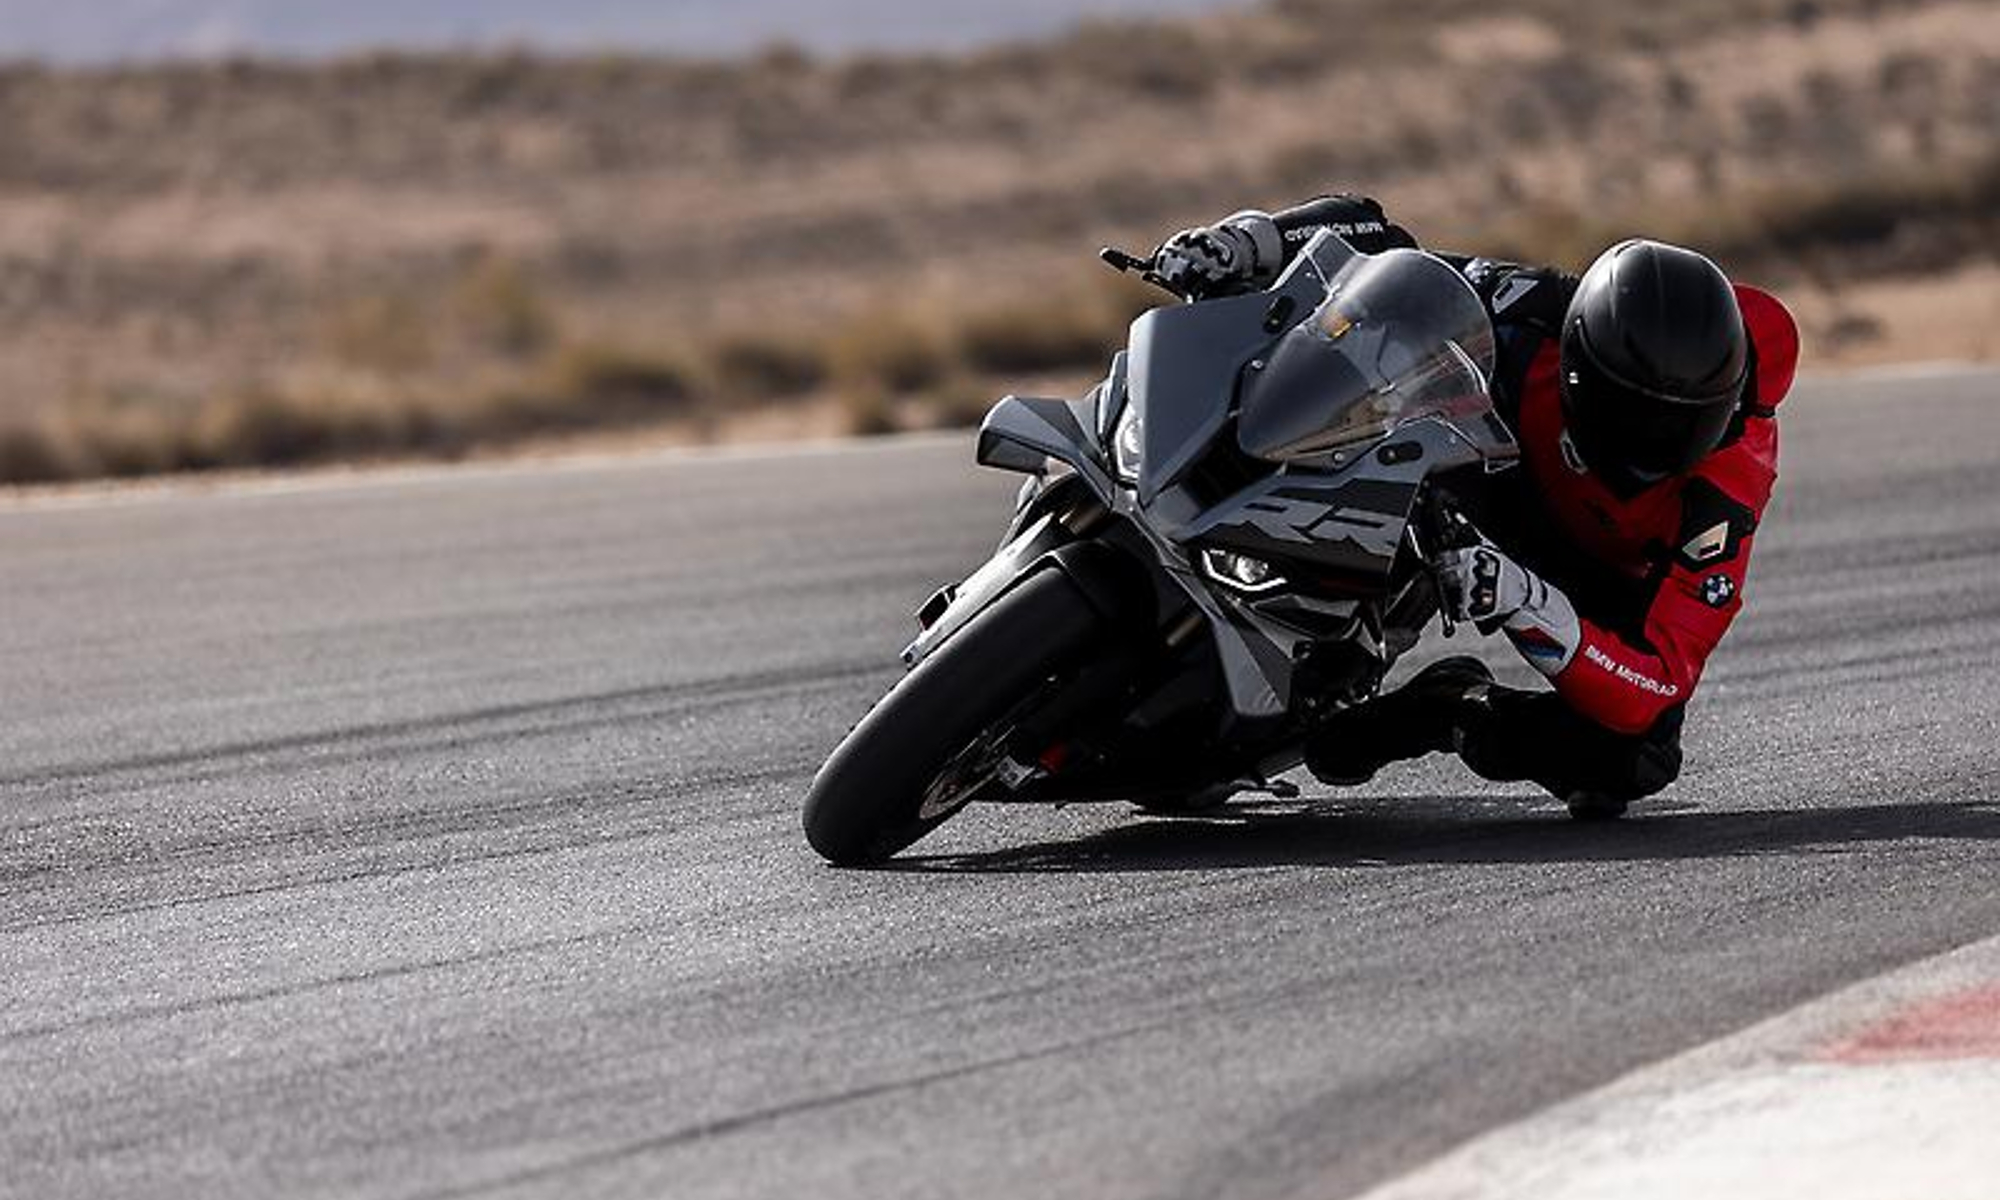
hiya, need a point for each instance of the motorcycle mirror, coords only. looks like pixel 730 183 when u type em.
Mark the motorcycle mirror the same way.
pixel 995 451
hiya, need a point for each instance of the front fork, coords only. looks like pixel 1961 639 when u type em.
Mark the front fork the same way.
pixel 1063 496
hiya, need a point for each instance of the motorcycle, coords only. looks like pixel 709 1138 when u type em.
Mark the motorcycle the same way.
pixel 1224 541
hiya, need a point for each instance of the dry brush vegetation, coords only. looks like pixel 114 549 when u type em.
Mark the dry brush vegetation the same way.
pixel 246 264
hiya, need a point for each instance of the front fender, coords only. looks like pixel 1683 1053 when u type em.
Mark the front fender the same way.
pixel 1109 580
pixel 951 608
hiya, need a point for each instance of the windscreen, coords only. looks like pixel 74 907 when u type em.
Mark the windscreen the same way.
pixel 1400 335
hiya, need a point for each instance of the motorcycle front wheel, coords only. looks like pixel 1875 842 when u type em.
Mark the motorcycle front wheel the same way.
pixel 904 770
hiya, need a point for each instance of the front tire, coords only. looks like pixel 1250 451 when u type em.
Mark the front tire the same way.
pixel 865 804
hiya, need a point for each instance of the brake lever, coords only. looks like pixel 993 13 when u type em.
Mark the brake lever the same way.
pixel 1119 260
pixel 1144 268
pixel 1454 532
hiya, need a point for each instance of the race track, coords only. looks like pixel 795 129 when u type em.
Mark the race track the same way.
pixel 435 834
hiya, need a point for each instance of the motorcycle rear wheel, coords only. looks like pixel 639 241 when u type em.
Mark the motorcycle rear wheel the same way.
pixel 867 801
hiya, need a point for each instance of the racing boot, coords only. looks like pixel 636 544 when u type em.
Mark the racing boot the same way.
pixel 1421 717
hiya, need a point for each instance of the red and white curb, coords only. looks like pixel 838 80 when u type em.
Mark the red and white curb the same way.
pixel 1888 1089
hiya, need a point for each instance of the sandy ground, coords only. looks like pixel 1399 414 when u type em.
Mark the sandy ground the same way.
pixel 1947 317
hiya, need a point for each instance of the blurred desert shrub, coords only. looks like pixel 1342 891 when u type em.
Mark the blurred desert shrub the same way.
pixel 585 386
pixel 1161 62
pixel 768 365
pixel 956 403
pixel 491 308
pixel 1055 334
pixel 387 333
pixel 868 410
pixel 615 380
pixel 892 369
pixel 1909 220
pixel 896 370
pixel 892 350
pixel 500 307
pixel 268 427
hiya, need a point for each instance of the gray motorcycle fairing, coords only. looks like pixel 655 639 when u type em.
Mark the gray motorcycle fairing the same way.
pixel 1358 517
pixel 1347 523
pixel 1256 666
pixel 1186 360
pixel 1110 396
pixel 1185 364
pixel 1255 653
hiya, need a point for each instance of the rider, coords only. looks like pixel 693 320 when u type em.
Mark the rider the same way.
pixel 1644 395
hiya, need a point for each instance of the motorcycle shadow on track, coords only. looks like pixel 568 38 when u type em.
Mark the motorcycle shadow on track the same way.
pixel 1418 830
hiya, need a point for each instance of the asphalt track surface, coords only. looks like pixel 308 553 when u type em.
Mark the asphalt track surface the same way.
pixel 437 835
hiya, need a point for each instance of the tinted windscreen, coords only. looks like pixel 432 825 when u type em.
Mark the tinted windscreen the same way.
pixel 1400 335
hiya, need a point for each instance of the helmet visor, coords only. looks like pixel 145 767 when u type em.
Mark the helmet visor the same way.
pixel 1645 435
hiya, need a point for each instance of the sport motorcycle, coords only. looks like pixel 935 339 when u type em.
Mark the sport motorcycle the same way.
pixel 1222 543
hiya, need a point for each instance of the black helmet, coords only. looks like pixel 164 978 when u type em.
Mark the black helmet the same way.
pixel 1654 359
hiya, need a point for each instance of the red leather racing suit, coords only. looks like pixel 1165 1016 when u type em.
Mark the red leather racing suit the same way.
pixel 1683 544
pixel 1655 576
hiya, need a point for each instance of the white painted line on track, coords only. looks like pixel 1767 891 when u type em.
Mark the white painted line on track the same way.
pixel 1887 1089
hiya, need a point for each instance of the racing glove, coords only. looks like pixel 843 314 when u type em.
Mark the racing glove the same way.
pixel 1234 255
pixel 1480 584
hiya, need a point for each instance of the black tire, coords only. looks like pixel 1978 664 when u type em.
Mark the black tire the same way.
pixel 1596 807
pixel 863 805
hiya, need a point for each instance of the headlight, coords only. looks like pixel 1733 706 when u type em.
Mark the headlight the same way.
pixel 1127 444
pixel 1240 572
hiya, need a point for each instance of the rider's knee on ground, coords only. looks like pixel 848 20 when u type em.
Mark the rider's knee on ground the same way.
pixel 1641 767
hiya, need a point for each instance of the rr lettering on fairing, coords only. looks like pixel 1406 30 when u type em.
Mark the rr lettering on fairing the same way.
pixel 1283 518
pixel 1370 531
pixel 1355 527
pixel 1288 519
